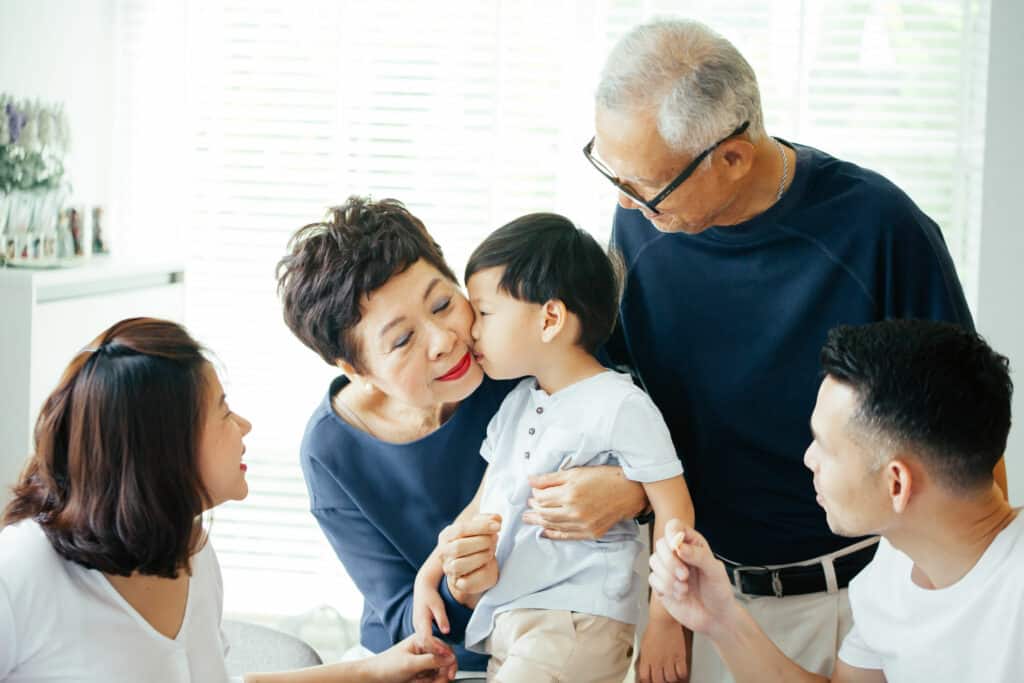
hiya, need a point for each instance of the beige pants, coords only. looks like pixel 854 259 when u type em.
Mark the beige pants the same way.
pixel 556 646
pixel 807 628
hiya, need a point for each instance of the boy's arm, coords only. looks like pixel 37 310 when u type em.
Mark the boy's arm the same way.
pixel 428 604
pixel 664 644
pixel 432 570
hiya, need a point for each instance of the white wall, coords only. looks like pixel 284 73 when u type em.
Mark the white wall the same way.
pixel 1000 314
pixel 62 51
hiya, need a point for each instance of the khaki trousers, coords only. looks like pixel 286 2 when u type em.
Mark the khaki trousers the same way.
pixel 807 628
pixel 556 646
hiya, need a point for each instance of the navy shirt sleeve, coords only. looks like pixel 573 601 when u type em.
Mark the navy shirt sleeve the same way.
pixel 920 276
pixel 381 573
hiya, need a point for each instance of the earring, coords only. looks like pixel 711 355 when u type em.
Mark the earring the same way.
pixel 368 387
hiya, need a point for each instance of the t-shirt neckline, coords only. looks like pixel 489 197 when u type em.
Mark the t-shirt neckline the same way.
pixel 98 577
pixel 339 382
pixel 996 551
pixel 753 230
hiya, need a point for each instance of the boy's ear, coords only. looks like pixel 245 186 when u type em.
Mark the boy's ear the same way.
pixel 554 316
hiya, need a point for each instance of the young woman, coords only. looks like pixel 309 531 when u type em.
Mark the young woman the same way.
pixel 106 572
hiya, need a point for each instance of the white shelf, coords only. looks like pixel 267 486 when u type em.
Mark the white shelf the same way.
pixel 98 275
pixel 49 315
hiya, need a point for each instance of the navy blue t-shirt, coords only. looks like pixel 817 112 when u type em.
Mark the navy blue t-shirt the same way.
pixel 382 506
pixel 725 328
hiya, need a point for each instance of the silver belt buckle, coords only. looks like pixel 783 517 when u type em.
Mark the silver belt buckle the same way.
pixel 776 583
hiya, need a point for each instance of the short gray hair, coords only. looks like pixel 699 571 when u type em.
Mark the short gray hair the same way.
pixel 698 83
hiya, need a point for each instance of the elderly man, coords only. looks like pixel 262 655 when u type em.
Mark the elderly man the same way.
pixel 742 251
pixel 910 420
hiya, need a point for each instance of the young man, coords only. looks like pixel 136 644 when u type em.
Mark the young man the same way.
pixel 910 420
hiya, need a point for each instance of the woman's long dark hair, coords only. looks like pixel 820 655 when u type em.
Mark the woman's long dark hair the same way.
pixel 114 477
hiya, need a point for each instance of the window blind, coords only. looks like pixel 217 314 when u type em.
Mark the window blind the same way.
pixel 472 113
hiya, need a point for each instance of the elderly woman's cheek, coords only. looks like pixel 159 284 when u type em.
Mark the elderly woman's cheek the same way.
pixel 462 320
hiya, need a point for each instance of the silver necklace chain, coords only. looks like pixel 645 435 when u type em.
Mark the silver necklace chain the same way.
pixel 785 170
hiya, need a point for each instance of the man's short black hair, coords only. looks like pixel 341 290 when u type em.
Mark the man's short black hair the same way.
pixel 546 257
pixel 935 387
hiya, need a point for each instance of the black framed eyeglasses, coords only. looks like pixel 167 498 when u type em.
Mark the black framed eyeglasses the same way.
pixel 660 197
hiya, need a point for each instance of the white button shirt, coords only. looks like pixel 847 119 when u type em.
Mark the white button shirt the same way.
pixel 602 420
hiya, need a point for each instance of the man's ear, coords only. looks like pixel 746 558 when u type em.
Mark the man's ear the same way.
pixel 736 157
pixel 553 318
pixel 900 481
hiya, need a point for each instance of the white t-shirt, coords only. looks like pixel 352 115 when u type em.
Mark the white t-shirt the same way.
pixel 970 631
pixel 602 420
pixel 62 622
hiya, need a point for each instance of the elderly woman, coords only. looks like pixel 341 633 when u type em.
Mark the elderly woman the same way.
pixel 391 454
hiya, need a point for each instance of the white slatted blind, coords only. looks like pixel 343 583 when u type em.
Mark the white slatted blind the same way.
pixel 472 113
pixel 265 102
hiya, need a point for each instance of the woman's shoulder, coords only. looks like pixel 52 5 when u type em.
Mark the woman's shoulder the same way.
pixel 30 569
pixel 326 432
pixel 26 552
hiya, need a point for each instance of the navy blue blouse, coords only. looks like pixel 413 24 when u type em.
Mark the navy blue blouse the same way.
pixel 382 506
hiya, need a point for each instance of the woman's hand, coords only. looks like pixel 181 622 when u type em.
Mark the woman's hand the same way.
pixel 583 502
pixel 413 659
pixel 466 549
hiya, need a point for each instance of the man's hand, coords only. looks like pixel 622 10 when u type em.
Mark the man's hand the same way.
pixel 413 659
pixel 583 502
pixel 690 582
pixel 662 656
pixel 466 549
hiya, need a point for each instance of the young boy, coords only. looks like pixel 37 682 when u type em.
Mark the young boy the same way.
pixel 545 295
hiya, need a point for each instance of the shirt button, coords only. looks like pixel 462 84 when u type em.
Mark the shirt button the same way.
pixel 540 411
pixel 527 455
pixel 532 431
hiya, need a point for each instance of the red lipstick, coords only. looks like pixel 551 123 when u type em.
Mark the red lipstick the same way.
pixel 460 369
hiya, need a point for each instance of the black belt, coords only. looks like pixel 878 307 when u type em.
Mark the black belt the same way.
pixel 798 580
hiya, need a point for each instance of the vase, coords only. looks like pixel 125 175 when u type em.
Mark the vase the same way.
pixel 17 242
pixel 5 207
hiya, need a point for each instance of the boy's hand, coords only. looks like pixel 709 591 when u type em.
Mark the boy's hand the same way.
pixel 662 654
pixel 466 550
pixel 427 608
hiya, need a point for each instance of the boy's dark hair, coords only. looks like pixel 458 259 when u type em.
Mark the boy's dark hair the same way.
pixel 933 386
pixel 331 265
pixel 114 477
pixel 546 257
